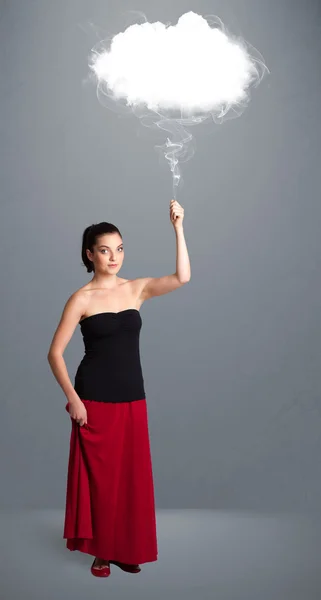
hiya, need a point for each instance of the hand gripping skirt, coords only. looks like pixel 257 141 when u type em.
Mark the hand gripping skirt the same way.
pixel 110 507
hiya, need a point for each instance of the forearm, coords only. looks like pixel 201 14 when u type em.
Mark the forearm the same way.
pixel 59 369
pixel 183 267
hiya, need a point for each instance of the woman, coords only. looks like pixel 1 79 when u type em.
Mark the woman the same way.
pixel 110 509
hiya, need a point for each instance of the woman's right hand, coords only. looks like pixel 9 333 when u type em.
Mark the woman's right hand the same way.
pixel 78 411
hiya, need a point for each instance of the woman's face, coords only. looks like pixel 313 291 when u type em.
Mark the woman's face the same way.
pixel 108 249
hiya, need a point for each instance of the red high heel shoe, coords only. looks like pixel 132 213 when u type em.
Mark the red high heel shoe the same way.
pixel 100 571
pixel 126 567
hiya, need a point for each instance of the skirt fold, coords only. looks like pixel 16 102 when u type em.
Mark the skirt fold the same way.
pixel 110 504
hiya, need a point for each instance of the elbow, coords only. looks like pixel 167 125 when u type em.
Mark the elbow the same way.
pixel 52 355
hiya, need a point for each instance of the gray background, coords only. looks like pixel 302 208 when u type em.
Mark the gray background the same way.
pixel 231 361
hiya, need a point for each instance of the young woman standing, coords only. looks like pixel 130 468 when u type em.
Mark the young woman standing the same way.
pixel 110 506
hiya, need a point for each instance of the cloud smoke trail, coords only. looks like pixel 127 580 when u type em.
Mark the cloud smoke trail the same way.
pixel 176 77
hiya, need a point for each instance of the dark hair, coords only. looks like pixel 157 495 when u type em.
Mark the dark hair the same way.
pixel 89 238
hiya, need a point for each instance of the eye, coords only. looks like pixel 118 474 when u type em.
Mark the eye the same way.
pixel 105 249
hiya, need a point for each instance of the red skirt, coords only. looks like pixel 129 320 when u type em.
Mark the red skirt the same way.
pixel 110 506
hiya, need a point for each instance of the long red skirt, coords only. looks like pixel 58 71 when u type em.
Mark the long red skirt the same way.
pixel 110 506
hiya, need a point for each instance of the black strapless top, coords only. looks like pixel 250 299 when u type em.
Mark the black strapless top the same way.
pixel 110 370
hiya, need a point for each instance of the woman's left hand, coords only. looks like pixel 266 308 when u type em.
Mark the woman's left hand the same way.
pixel 176 214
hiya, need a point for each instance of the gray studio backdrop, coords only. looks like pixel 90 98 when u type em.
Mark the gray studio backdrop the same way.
pixel 231 361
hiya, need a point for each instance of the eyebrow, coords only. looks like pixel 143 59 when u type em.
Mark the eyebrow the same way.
pixel 104 246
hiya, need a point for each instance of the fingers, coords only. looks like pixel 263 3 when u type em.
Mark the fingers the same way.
pixel 175 208
pixel 80 422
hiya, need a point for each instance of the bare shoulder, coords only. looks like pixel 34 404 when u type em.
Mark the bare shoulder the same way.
pixel 79 299
pixel 138 285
